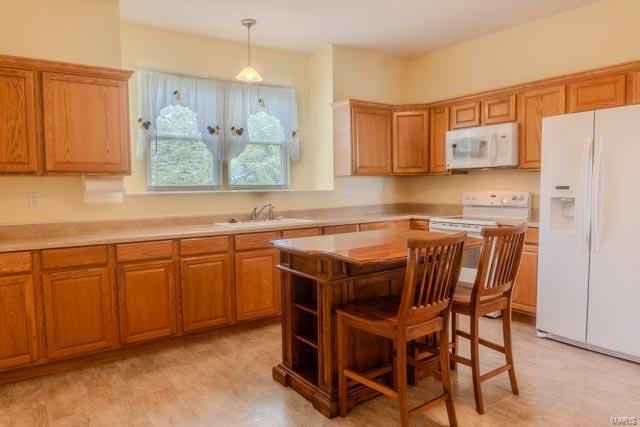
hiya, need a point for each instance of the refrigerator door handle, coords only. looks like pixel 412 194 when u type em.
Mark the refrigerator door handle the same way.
pixel 598 202
pixel 588 169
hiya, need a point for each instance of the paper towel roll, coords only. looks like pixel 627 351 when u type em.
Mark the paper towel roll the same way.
pixel 99 189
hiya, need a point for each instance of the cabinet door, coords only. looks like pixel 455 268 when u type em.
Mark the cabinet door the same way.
pixel 499 110
pixel 206 292
pixel 439 125
pixel 17 118
pixel 465 115
pixel 17 321
pixel 257 284
pixel 79 311
pixel 85 124
pixel 410 142
pixel 600 92
pixel 525 287
pixel 533 105
pixel 371 138
pixel 147 301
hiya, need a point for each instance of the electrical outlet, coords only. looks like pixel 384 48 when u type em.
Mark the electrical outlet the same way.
pixel 34 200
pixel 348 190
pixel 428 188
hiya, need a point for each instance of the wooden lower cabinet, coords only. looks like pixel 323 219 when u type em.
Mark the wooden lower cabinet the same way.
pixel 257 284
pixel 525 287
pixel 206 292
pixel 79 312
pixel 18 343
pixel 147 300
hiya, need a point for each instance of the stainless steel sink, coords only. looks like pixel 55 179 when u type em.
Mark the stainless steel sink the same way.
pixel 264 223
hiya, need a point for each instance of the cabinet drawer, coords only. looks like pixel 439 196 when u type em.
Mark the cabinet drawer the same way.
pixel 15 262
pixel 301 232
pixel 144 250
pixel 255 240
pixel 402 225
pixel 418 224
pixel 381 225
pixel 204 245
pixel 340 229
pixel 74 257
pixel 531 238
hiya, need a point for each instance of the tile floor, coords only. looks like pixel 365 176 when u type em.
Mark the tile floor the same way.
pixel 225 380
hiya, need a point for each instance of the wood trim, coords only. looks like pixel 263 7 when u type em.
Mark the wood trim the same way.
pixel 63 67
pixel 74 257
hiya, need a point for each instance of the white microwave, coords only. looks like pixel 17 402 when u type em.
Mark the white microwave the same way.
pixel 483 147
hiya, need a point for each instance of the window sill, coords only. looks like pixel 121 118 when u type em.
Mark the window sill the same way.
pixel 199 192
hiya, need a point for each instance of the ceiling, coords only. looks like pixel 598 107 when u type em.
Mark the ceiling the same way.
pixel 403 28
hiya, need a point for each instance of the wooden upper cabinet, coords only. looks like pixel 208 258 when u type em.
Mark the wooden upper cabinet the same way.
pixel 371 141
pixel 79 311
pixel 17 121
pixel 410 142
pixel 18 343
pixel 86 124
pixel 533 105
pixel 147 300
pixel 438 127
pixel 361 138
pixel 257 284
pixel 206 292
pixel 464 115
pixel 599 92
pixel 499 110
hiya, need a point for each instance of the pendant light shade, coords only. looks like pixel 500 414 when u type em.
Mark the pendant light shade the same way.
pixel 248 73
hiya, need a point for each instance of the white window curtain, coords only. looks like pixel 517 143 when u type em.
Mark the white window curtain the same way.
pixel 246 100
pixel 205 97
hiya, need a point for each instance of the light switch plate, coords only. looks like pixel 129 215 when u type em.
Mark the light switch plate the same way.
pixel 348 190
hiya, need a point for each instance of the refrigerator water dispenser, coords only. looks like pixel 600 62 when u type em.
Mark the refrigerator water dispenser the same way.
pixel 563 207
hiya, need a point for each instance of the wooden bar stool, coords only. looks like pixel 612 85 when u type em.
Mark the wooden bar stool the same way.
pixel 491 291
pixel 433 267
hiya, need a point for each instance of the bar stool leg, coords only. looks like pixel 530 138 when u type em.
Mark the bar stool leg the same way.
pixel 475 362
pixel 446 379
pixel 401 381
pixel 508 351
pixel 454 339
pixel 342 361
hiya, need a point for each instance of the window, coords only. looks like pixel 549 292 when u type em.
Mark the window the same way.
pixel 179 157
pixel 200 133
pixel 262 162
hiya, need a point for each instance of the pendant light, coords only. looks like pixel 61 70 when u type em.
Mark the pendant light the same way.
pixel 248 73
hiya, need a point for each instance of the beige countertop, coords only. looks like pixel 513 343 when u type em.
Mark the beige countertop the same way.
pixel 12 244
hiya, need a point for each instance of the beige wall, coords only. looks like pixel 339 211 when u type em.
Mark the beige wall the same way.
pixel 600 34
pixel 81 31
pixel 368 75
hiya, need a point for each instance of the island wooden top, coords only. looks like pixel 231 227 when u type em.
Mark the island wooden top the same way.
pixel 365 247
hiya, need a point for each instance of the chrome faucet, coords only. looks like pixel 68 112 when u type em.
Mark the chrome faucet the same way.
pixel 255 213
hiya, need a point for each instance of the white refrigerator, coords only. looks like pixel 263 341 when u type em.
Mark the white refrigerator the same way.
pixel 589 254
